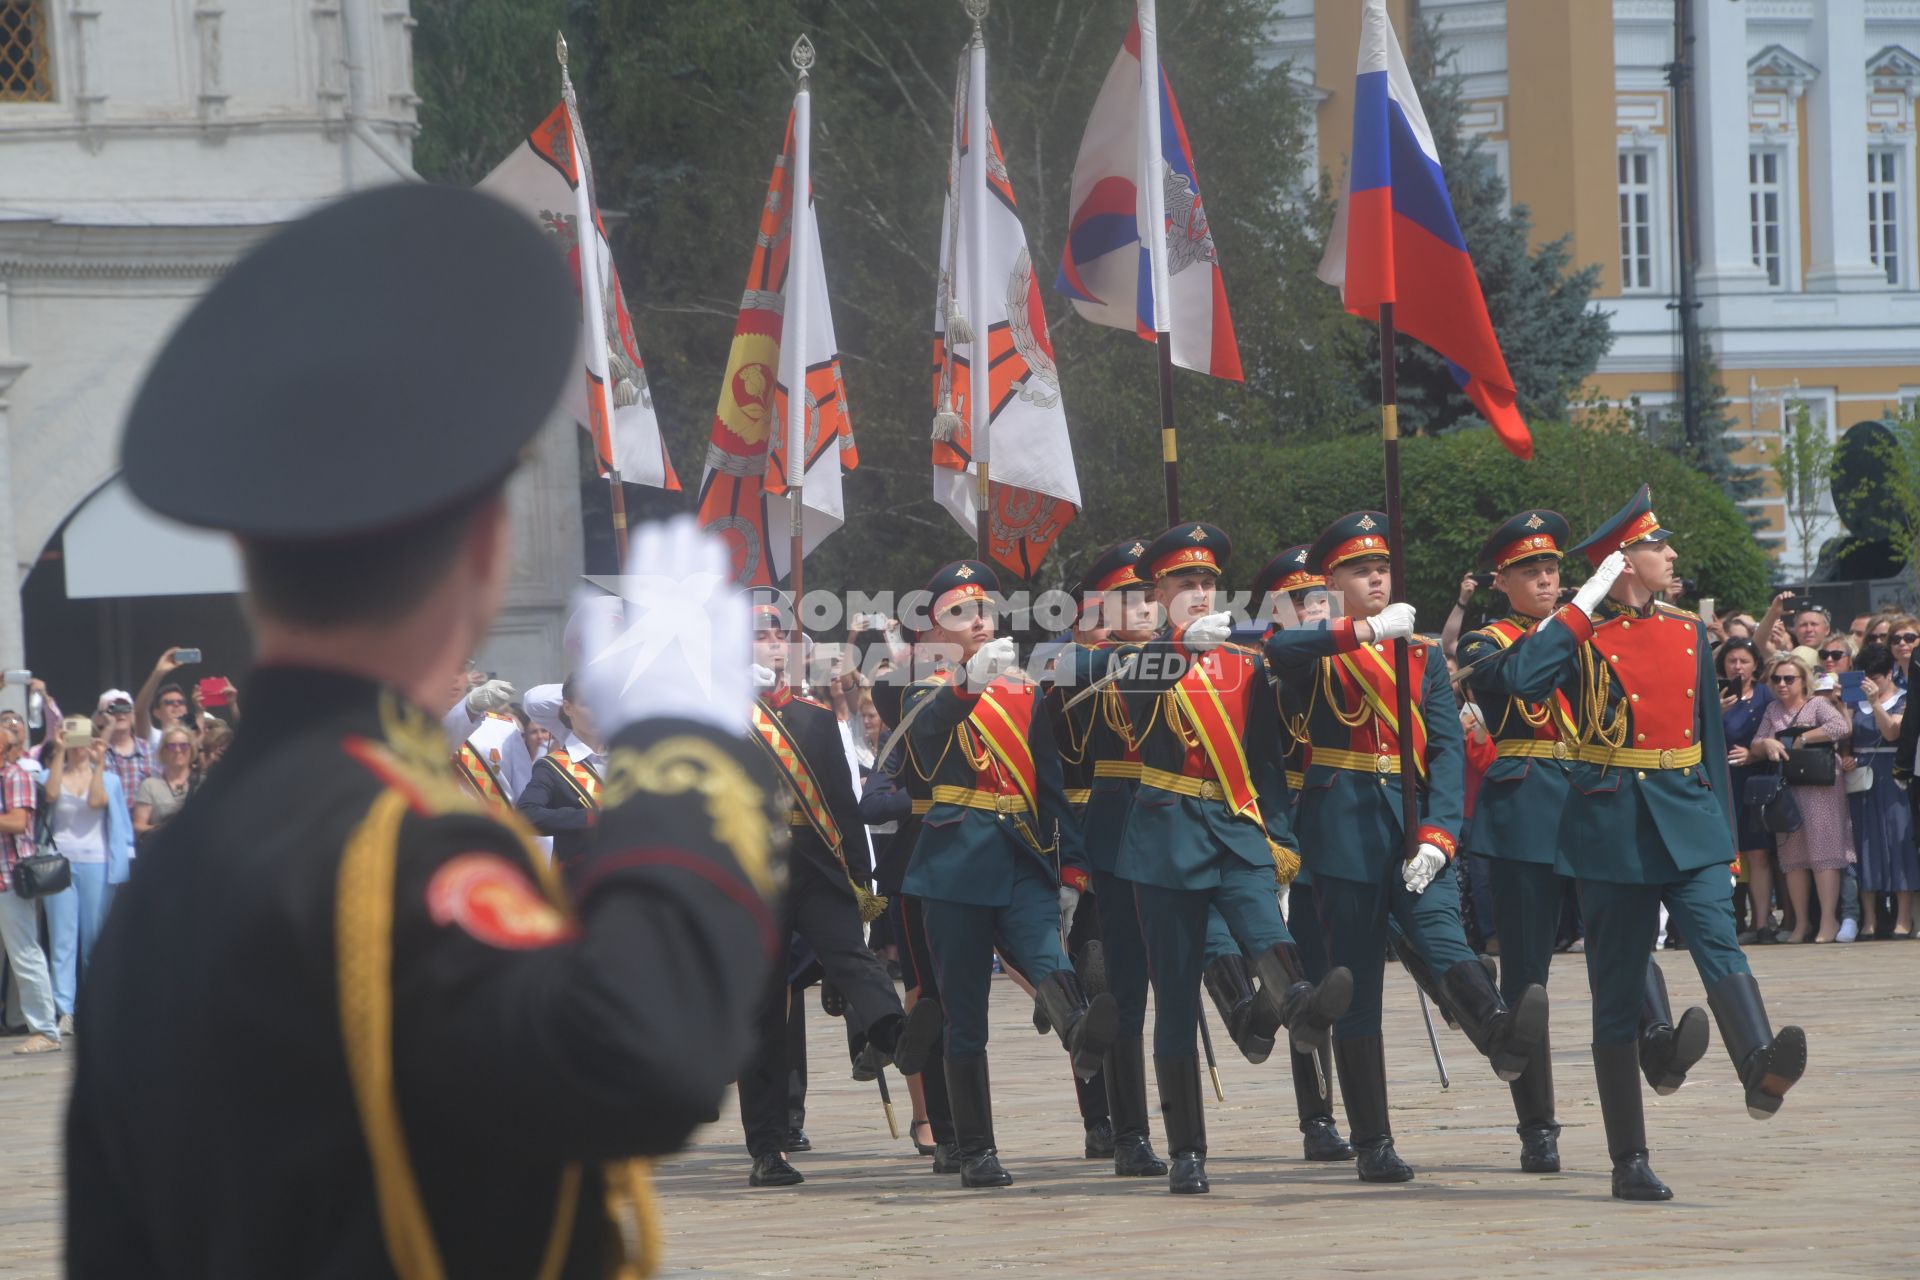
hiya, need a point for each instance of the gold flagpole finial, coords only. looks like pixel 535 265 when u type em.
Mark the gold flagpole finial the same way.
pixel 802 56
pixel 977 10
pixel 560 49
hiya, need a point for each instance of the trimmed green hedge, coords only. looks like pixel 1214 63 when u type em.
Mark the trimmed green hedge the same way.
pixel 1458 487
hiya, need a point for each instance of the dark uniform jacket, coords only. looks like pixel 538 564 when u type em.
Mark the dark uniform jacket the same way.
pixel 343 1016
pixel 557 804
pixel 1525 790
pixel 979 824
pixel 1651 795
pixel 1183 819
pixel 812 730
pixel 1349 817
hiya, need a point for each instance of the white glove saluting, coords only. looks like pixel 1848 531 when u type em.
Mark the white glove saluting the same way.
pixel 992 658
pixel 1418 873
pixel 1208 631
pixel 1595 589
pixel 685 642
pixel 1395 622
pixel 763 677
pixel 494 695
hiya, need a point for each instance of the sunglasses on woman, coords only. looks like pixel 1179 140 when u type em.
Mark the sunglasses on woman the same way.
pixel 1784 679
pixel 1907 637
pixel 1833 655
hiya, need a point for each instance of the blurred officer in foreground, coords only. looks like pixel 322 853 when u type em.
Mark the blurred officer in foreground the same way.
pixel 347 1022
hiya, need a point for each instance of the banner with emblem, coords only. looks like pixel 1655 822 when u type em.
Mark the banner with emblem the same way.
pixel 1034 492
pixel 746 455
pixel 542 177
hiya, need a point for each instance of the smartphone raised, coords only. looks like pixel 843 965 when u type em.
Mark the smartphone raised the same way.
pixel 1850 690
pixel 186 657
pixel 213 691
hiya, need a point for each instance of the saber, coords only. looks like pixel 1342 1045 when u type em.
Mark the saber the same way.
pixel 886 1103
pixel 1213 1064
pixel 1439 1063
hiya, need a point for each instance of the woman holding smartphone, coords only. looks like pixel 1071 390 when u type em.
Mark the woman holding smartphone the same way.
pixel 1882 820
pixel 91 830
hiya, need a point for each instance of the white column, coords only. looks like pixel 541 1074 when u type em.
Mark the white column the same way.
pixel 1721 144
pixel 13 632
pixel 1836 154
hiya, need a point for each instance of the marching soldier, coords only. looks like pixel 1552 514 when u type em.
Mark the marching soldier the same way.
pixel 1650 822
pixel 825 905
pixel 562 795
pixel 998 862
pixel 1288 577
pixel 492 761
pixel 1209 828
pixel 1092 731
pixel 1339 685
pixel 345 1021
pixel 1516 826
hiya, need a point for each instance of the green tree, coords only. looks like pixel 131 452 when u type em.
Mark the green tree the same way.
pixel 1461 485
pixel 683 102
pixel 1804 468
pixel 1538 298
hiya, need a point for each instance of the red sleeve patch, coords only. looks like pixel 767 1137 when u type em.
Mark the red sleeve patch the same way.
pixel 493 902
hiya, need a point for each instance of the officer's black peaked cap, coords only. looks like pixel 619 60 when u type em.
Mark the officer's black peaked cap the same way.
pixel 371 364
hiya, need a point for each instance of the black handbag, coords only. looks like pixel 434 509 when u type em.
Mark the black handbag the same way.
pixel 1770 804
pixel 41 874
pixel 1814 766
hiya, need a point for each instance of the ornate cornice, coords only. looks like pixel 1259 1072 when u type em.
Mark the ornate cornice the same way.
pixel 71 269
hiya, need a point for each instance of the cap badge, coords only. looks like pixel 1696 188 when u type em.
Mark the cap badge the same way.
pixel 1534 521
pixel 1366 522
pixel 964 572
pixel 1198 534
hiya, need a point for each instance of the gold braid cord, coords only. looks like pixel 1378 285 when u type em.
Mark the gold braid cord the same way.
pixel 735 804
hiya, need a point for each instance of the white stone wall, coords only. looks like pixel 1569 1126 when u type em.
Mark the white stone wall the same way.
pixel 181 132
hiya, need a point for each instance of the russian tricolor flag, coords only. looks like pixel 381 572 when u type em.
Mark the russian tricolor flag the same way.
pixel 1107 267
pixel 1396 239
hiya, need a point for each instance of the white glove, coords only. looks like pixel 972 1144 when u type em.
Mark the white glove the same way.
pixel 763 677
pixel 1395 622
pixel 685 642
pixel 1209 631
pixel 494 695
pixel 993 657
pixel 1069 903
pixel 1419 873
pixel 1595 589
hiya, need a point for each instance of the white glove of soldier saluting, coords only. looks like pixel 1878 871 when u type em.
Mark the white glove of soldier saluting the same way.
pixel 990 660
pixel 1595 589
pixel 494 695
pixel 763 677
pixel 1209 631
pixel 1418 873
pixel 1395 622
pixel 685 642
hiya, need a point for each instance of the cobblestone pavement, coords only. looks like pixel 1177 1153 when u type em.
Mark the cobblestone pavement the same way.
pixel 1826 1188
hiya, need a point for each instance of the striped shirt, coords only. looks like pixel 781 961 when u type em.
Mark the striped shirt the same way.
pixel 134 768
pixel 16 792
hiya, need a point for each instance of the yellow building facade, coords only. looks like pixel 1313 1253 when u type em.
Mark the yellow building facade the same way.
pixel 1807 257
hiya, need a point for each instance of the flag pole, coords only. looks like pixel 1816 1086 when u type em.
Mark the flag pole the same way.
pixel 1397 569
pixel 979 370
pixel 593 296
pixel 1154 209
pixel 793 331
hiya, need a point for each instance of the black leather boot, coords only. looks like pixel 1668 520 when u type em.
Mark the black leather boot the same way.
pixel 772 1170
pixel 1320 1136
pixel 1230 984
pixel 909 1041
pixel 1086 1027
pixel 1616 1070
pixel 1769 1062
pixel 1429 983
pixel 1126 1070
pixel 1533 1107
pixel 1307 1010
pixel 972 1098
pixel 1180 1111
pixel 1510 1038
pixel 1668 1049
pixel 1362 1063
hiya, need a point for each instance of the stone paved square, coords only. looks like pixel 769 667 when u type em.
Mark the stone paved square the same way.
pixel 1826 1188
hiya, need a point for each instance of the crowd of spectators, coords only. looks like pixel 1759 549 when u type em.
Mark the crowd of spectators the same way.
pixel 81 795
